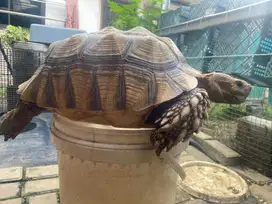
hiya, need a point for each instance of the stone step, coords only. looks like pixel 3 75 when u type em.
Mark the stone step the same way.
pixel 217 150
pixel 198 154
pixel 207 130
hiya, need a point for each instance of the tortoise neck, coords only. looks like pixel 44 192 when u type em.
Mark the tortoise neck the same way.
pixel 191 71
pixel 203 82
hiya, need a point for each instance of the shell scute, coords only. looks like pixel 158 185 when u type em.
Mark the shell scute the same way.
pixel 66 51
pixel 109 71
pixel 105 47
pixel 149 50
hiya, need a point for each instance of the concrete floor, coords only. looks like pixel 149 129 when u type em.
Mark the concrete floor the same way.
pixel 30 148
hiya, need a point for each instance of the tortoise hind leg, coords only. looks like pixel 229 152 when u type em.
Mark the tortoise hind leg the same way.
pixel 16 120
pixel 180 120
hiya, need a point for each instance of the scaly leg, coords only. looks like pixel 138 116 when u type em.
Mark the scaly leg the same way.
pixel 14 121
pixel 180 118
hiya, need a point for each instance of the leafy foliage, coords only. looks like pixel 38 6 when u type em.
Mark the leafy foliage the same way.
pixel 3 93
pixel 267 110
pixel 13 33
pixel 131 15
pixel 226 111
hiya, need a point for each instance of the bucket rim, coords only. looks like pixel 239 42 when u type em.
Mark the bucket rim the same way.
pixel 97 126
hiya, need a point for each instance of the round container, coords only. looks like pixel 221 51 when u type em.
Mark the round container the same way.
pixel 101 164
pixel 213 182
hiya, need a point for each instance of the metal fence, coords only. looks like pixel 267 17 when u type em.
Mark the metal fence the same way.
pixel 238 42
pixel 17 64
pixel 214 6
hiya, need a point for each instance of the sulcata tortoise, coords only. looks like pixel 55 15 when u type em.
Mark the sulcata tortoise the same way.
pixel 125 79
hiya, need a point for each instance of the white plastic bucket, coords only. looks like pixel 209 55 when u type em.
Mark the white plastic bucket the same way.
pixel 101 164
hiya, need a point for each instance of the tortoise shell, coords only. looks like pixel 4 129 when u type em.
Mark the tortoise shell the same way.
pixel 108 71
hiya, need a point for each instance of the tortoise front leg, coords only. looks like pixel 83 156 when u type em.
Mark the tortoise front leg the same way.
pixel 180 120
pixel 14 121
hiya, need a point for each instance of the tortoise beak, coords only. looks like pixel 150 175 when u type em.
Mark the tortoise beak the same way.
pixel 249 87
pixel 241 98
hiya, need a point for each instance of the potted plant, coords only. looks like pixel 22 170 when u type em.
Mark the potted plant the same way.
pixel 9 35
pixel 136 13
pixel 23 60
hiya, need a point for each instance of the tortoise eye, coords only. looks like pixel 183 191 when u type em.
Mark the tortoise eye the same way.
pixel 239 84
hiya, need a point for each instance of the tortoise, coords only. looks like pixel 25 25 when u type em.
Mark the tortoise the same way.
pixel 125 79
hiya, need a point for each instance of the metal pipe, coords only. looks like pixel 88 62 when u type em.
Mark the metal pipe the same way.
pixel 229 56
pixel 29 15
pixel 9 14
pixel 243 13
pixel 49 2
pixel 166 4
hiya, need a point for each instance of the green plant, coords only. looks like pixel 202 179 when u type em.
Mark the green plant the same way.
pixel 226 112
pixel 13 33
pixel 3 92
pixel 131 15
pixel 267 109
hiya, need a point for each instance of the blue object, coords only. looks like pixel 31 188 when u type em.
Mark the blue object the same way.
pixel 270 96
pixel 49 34
pixel 16 153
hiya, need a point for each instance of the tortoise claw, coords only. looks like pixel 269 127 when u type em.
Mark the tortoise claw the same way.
pixel 180 121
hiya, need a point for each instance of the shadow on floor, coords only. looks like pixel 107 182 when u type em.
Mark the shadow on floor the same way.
pixel 32 147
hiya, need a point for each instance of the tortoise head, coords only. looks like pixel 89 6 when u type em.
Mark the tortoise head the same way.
pixel 223 88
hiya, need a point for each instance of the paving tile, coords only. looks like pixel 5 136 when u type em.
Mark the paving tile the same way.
pixel 251 200
pixel 11 174
pixel 198 154
pixel 202 136
pixel 221 153
pixel 187 157
pixel 263 193
pixel 42 171
pixel 251 174
pixel 12 201
pixel 9 190
pixel 40 186
pixel 181 196
pixel 217 150
pixel 50 198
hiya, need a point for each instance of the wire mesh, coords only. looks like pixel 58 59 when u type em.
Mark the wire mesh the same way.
pixel 5 79
pixel 237 39
pixel 207 7
pixel 246 128
pixel 233 52
pixel 203 8
pixel 174 17
pixel 24 61
pixel 243 48
pixel 197 46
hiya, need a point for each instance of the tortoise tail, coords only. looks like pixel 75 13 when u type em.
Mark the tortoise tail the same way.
pixel 14 121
